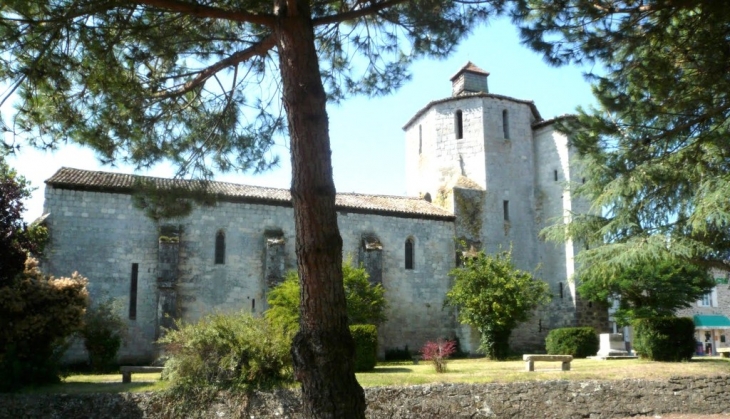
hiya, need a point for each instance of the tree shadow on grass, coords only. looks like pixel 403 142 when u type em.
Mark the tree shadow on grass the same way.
pixel 88 388
pixel 389 370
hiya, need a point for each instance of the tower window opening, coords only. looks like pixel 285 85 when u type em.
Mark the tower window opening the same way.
pixel 133 292
pixel 459 124
pixel 420 139
pixel 561 289
pixel 555 175
pixel 409 253
pixel 505 124
pixel 505 209
pixel 220 248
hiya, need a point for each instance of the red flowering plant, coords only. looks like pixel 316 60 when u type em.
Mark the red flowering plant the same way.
pixel 437 352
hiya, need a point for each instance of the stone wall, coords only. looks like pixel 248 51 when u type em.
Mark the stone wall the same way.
pixel 542 399
pixel 103 237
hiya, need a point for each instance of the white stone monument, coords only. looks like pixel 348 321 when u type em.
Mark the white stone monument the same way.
pixel 612 347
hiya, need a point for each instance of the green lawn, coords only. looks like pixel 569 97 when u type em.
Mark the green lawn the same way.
pixel 485 371
pixel 459 371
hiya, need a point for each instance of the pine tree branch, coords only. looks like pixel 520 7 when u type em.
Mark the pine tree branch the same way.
pixel 260 49
pixel 202 11
pixel 354 14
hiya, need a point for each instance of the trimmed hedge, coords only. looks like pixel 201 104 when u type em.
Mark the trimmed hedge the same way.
pixel 577 341
pixel 366 346
pixel 668 339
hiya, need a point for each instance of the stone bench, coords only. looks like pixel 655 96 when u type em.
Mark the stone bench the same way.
pixel 725 352
pixel 530 360
pixel 128 370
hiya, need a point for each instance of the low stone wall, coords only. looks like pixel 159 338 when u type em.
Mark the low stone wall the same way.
pixel 540 399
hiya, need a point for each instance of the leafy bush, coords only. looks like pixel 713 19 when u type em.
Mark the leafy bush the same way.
pixel 437 352
pixel 668 339
pixel 102 333
pixel 228 351
pixel 493 296
pixel 365 301
pixel 366 346
pixel 577 341
pixel 37 315
pixel 398 354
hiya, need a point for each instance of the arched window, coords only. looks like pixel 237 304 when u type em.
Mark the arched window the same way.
pixel 220 248
pixel 409 253
pixel 505 124
pixel 459 124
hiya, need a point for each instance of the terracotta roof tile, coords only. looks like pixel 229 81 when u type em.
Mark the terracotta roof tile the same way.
pixel 77 179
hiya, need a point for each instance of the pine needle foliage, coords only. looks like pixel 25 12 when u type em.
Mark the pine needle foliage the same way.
pixel 654 150
pixel 646 290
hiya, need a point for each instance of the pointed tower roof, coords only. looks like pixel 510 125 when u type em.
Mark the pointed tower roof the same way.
pixel 470 67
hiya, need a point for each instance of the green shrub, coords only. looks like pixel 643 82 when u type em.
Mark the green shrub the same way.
pixel 366 346
pixel 102 334
pixel 398 354
pixel 228 351
pixel 668 339
pixel 577 341
pixel 37 315
pixel 365 301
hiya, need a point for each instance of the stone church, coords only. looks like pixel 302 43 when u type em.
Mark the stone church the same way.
pixel 482 169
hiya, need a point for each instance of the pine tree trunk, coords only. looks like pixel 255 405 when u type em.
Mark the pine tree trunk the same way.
pixel 323 350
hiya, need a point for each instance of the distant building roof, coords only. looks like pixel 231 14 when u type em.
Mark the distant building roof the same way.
pixel 398 206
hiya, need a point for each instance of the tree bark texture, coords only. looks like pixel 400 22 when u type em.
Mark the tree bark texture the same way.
pixel 323 350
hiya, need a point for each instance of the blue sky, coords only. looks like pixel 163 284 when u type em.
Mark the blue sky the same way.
pixel 366 134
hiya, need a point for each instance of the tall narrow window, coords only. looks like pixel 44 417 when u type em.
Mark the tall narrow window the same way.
pixel 420 139
pixel 459 124
pixel 561 289
pixel 505 209
pixel 555 175
pixel 409 253
pixel 505 124
pixel 133 292
pixel 253 305
pixel 220 248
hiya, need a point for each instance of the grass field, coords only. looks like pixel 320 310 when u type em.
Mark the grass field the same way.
pixel 459 371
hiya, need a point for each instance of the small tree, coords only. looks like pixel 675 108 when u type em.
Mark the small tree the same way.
pixel 365 301
pixel 493 296
pixel 437 352
pixel 103 332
